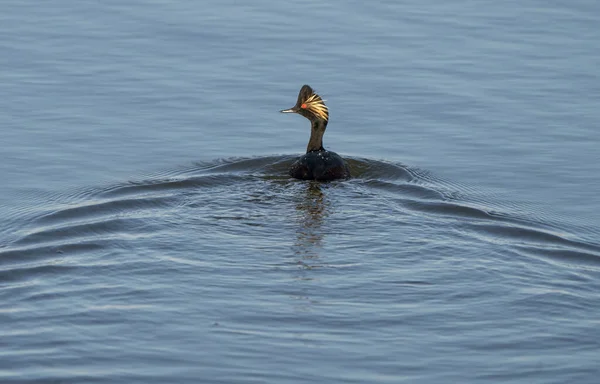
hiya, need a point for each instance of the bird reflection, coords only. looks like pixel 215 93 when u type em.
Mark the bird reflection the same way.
pixel 312 209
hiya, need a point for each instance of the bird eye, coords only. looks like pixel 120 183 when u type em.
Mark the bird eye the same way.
pixel 303 106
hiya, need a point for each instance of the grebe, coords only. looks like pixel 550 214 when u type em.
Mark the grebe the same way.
pixel 317 163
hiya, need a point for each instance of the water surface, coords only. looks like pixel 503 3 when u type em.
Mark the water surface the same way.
pixel 150 232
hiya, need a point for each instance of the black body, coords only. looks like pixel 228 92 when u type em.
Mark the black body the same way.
pixel 320 165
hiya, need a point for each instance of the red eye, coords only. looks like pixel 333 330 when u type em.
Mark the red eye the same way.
pixel 303 106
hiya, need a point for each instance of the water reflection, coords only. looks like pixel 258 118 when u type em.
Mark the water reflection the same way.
pixel 312 208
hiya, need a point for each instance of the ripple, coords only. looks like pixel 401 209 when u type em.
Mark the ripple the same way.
pixel 563 255
pixel 14 254
pixel 149 187
pixel 89 220
pixel 96 209
pixel 532 236
pixel 110 228
pixel 15 274
pixel 405 189
pixel 458 211
pixel 373 169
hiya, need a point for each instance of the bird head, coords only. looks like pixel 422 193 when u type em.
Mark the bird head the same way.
pixel 310 105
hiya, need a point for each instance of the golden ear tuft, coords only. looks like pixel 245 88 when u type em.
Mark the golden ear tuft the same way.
pixel 316 105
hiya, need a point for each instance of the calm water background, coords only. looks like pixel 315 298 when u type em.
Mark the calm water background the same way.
pixel 149 232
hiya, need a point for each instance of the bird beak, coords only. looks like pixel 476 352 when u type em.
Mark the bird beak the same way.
pixel 291 110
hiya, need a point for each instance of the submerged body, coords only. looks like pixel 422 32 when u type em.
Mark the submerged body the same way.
pixel 317 163
pixel 320 165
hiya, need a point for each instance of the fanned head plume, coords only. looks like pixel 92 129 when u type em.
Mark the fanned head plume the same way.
pixel 310 105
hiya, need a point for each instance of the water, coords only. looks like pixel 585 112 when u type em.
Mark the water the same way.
pixel 150 233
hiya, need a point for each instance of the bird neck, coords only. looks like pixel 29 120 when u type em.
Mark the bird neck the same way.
pixel 317 130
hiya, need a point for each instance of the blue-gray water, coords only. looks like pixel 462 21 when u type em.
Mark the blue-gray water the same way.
pixel 149 232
